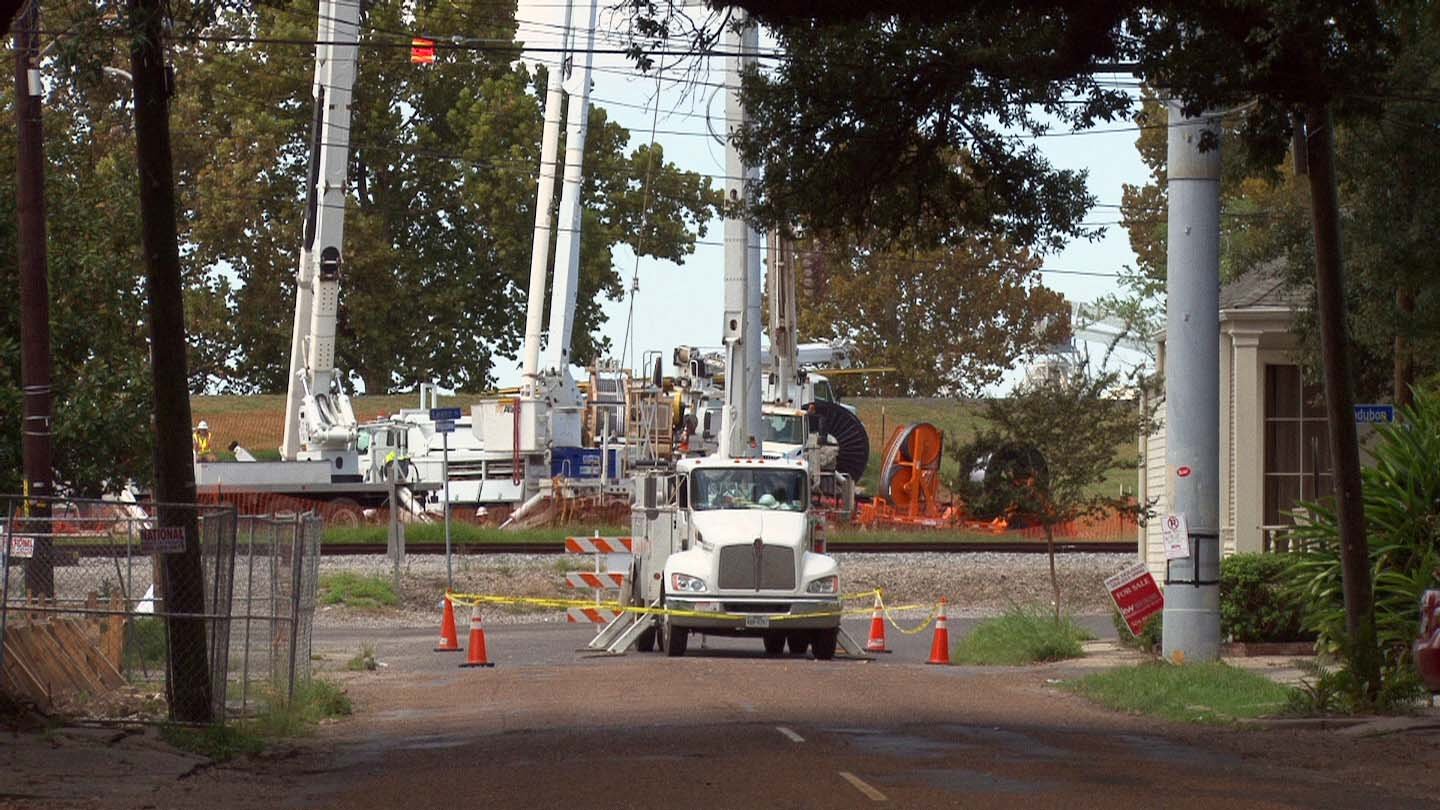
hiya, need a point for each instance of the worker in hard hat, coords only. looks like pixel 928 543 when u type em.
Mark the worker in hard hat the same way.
pixel 200 442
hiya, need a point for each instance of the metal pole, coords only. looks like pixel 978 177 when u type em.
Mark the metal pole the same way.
pixel 445 479
pixel 35 359
pixel 5 587
pixel 249 610
pixel 394 541
pixel 296 579
pixel 1192 389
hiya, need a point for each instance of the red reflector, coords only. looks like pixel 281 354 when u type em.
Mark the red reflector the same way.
pixel 422 51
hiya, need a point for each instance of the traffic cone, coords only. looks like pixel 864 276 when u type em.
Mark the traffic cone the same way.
pixel 449 642
pixel 876 644
pixel 940 647
pixel 477 642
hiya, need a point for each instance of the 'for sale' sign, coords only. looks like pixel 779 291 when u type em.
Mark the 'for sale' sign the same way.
pixel 1136 595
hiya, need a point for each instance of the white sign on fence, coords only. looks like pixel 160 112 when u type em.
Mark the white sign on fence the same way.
pixel 1177 537
pixel 22 547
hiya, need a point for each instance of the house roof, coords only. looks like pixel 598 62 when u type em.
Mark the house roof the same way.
pixel 1265 287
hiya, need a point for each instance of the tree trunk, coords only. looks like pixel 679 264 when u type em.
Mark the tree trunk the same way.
pixel 1054 580
pixel 183 588
pixel 1404 357
pixel 1339 401
pixel 35 436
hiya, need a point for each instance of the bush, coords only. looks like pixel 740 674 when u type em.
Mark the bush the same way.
pixel 1150 635
pixel 1255 603
pixel 314 700
pixel 1402 515
pixel 1022 636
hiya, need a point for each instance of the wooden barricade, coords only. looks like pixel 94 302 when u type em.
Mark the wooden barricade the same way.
pixel 49 656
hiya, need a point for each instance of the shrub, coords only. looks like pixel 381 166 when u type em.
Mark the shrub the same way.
pixel 1402 515
pixel 1022 636
pixel 1255 604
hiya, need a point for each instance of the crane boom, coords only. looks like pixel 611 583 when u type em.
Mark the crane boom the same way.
pixel 740 425
pixel 544 219
pixel 567 242
pixel 317 421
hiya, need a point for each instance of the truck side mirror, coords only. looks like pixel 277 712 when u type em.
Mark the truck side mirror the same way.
pixel 647 492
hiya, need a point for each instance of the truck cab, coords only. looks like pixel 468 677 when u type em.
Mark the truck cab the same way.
pixel 731 552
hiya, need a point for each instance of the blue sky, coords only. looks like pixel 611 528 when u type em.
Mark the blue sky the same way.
pixel 682 304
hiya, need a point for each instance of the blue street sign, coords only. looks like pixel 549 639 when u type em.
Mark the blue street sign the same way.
pixel 1374 414
pixel 445 426
pixel 439 414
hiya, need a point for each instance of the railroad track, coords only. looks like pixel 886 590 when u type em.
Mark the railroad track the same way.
pixel 955 547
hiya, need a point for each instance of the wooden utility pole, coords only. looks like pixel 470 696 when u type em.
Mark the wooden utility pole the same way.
pixel 188 684
pixel 1340 398
pixel 34 298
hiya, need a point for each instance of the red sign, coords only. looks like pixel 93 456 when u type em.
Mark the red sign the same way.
pixel 1183 472
pixel 422 51
pixel 1136 595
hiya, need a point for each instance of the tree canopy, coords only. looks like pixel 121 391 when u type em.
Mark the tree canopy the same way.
pixel 949 320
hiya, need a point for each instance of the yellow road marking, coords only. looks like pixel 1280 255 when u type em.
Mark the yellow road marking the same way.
pixel 860 785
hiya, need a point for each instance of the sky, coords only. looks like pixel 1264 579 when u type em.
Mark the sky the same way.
pixel 681 304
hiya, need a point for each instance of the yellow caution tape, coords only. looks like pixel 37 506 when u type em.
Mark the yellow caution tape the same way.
pixel 477 599
pixel 904 631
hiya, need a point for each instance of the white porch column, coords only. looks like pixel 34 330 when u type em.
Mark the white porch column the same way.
pixel 1248 424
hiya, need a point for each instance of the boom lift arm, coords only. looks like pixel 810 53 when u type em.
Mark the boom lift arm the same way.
pixel 319 422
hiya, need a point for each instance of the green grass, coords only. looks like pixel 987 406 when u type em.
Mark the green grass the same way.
pixel 364 661
pixel 1024 635
pixel 145 645
pixel 356 591
pixel 219 743
pixel 1194 693
pixel 314 700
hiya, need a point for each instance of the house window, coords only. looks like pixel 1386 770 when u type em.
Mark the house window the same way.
pixel 1297 449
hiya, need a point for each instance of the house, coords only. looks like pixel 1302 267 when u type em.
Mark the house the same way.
pixel 1274 451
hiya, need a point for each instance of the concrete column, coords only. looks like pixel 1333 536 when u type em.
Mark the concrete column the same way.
pixel 1192 387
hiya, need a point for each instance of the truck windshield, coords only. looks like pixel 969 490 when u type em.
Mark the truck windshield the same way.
pixel 784 428
pixel 749 488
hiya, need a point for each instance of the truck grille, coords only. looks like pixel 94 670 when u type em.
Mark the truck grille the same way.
pixel 738 568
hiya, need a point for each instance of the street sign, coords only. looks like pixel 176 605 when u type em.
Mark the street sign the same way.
pixel 1136 595
pixel 444 426
pixel 1374 414
pixel 162 540
pixel 444 414
pixel 1177 537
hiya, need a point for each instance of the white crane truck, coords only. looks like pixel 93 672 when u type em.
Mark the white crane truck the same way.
pixel 725 542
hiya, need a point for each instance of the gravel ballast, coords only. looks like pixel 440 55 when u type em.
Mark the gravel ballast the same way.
pixel 976 584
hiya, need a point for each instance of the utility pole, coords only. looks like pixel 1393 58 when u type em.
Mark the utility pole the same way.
pixel 740 423
pixel 1340 399
pixel 36 446
pixel 1192 388
pixel 188 684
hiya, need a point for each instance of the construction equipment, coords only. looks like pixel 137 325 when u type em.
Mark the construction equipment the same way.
pixel 724 542
pixel 910 481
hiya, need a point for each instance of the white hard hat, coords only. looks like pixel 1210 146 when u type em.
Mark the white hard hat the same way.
pixel 767 500
pixel 203 425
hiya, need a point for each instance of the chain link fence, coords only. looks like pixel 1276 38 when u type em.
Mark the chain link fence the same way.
pixel 142 611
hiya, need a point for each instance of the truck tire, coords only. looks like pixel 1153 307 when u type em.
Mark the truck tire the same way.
pixel 676 640
pixel 646 641
pixel 774 643
pixel 823 644
pixel 799 642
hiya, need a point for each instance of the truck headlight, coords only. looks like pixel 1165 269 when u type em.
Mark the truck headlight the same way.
pixel 829 584
pixel 684 583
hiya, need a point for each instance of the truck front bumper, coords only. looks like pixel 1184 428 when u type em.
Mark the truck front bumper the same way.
pixel 754 615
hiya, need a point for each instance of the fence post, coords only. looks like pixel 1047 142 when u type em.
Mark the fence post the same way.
pixel 5 587
pixel 297 573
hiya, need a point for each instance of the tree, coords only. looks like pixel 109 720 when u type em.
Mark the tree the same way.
pixel 102 388
pixel 949 320
pixel 441 208
pixel 1070 430
pixel 1286 66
